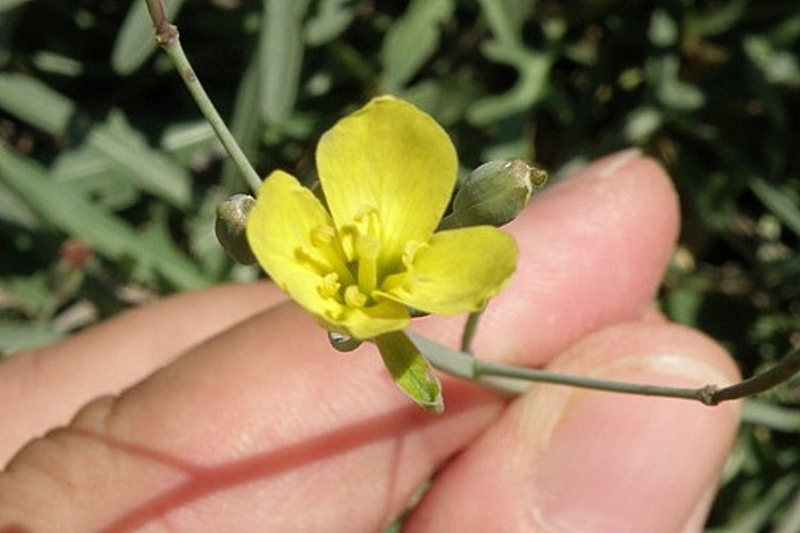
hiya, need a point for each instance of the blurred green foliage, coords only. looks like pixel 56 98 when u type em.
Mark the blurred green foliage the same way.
pixel 109 178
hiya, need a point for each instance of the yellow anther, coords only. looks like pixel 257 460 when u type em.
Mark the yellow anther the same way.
pixel 323 235
pixel 353 297
pixel 329 286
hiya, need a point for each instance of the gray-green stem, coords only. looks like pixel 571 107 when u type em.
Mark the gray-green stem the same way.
pixel 515 380
pixel 168 38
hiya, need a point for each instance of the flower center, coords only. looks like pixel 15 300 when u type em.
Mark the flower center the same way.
pixel 348 259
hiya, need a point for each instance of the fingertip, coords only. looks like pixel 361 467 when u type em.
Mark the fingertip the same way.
pixel 567 459
pixel 593 250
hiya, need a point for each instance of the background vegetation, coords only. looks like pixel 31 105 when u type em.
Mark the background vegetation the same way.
pixel 109 178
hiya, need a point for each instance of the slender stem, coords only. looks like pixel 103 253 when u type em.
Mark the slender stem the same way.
pixel 168 38
pixel 484 368
pixel 782 371
pixel 516 380
pixel 470 328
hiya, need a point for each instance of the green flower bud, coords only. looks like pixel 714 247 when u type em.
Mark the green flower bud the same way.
pixel 230 227
pixel 496 192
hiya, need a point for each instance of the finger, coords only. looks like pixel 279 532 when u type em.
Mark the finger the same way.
pixel 264 413
pixel 593 249
pixel 265 416
pixel 55 381
pixel 565 459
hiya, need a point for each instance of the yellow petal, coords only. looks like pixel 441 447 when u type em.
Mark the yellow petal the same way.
pixel 283 229
pixel 390 158
pixel 459 271
pixel 369 322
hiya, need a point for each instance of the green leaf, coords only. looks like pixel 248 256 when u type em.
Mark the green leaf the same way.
pixel 663 72
pixel 35 103
pixel 17 335
pixel 529 90
pixel 124 147
pixel 411 371
pixel 245 124
pixel 147 168
pixel 8 5
pixel 66 209
pixel 412 39
pixel 780 200
pixel 281 55
pixel 136 40
pixel 331 19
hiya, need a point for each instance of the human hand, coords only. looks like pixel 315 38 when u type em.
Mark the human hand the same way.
pixel 236 415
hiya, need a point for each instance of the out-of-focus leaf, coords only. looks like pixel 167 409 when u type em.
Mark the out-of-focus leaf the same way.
pixel 7 5
pixel 533 66
pixel 245 125
pixel 719 19
pixel 46 109
pixel 183 140
pixel 32 295
pixel 96 177
pixel 411 40
pixel 57 64
pixel 146 168
pixel 781 201
pixel 642 123
pixel 35 103
pixel 136 39
pixel 17 335
pixel 530 89
pixel 505 23
pixel 331 19
pixel 780 67
pixel 281 53
pixel 14 211
pixel 663 31
pixel 65 209
pixel 663 73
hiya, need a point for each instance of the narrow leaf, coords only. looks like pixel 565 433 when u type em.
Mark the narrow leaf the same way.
pixel 136 40
pixel 66 209
pixel 281 55
pixel 412 40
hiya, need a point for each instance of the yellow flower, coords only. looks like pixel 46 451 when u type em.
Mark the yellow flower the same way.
pixel 358 264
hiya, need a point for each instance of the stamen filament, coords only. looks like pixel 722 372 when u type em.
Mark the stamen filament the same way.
pixel 368 249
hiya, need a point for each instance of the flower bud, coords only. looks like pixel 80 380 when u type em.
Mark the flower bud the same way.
pixel 230 227
pixel 496 192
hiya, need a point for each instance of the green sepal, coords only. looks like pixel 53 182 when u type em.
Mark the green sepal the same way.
pixel 411 371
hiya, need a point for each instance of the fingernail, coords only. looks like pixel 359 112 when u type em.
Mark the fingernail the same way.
pixel 614 462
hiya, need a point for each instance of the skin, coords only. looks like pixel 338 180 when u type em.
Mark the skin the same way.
pixel 227 410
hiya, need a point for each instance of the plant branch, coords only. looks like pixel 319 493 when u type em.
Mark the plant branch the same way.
pixel 516 380
pixel 168 39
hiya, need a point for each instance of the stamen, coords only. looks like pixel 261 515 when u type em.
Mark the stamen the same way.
pixel 324 255
pixel 323 235
pixel 329 286
pixel 367 248
pixel 353 297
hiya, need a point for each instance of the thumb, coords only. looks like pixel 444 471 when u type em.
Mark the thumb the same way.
pixel 565 459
